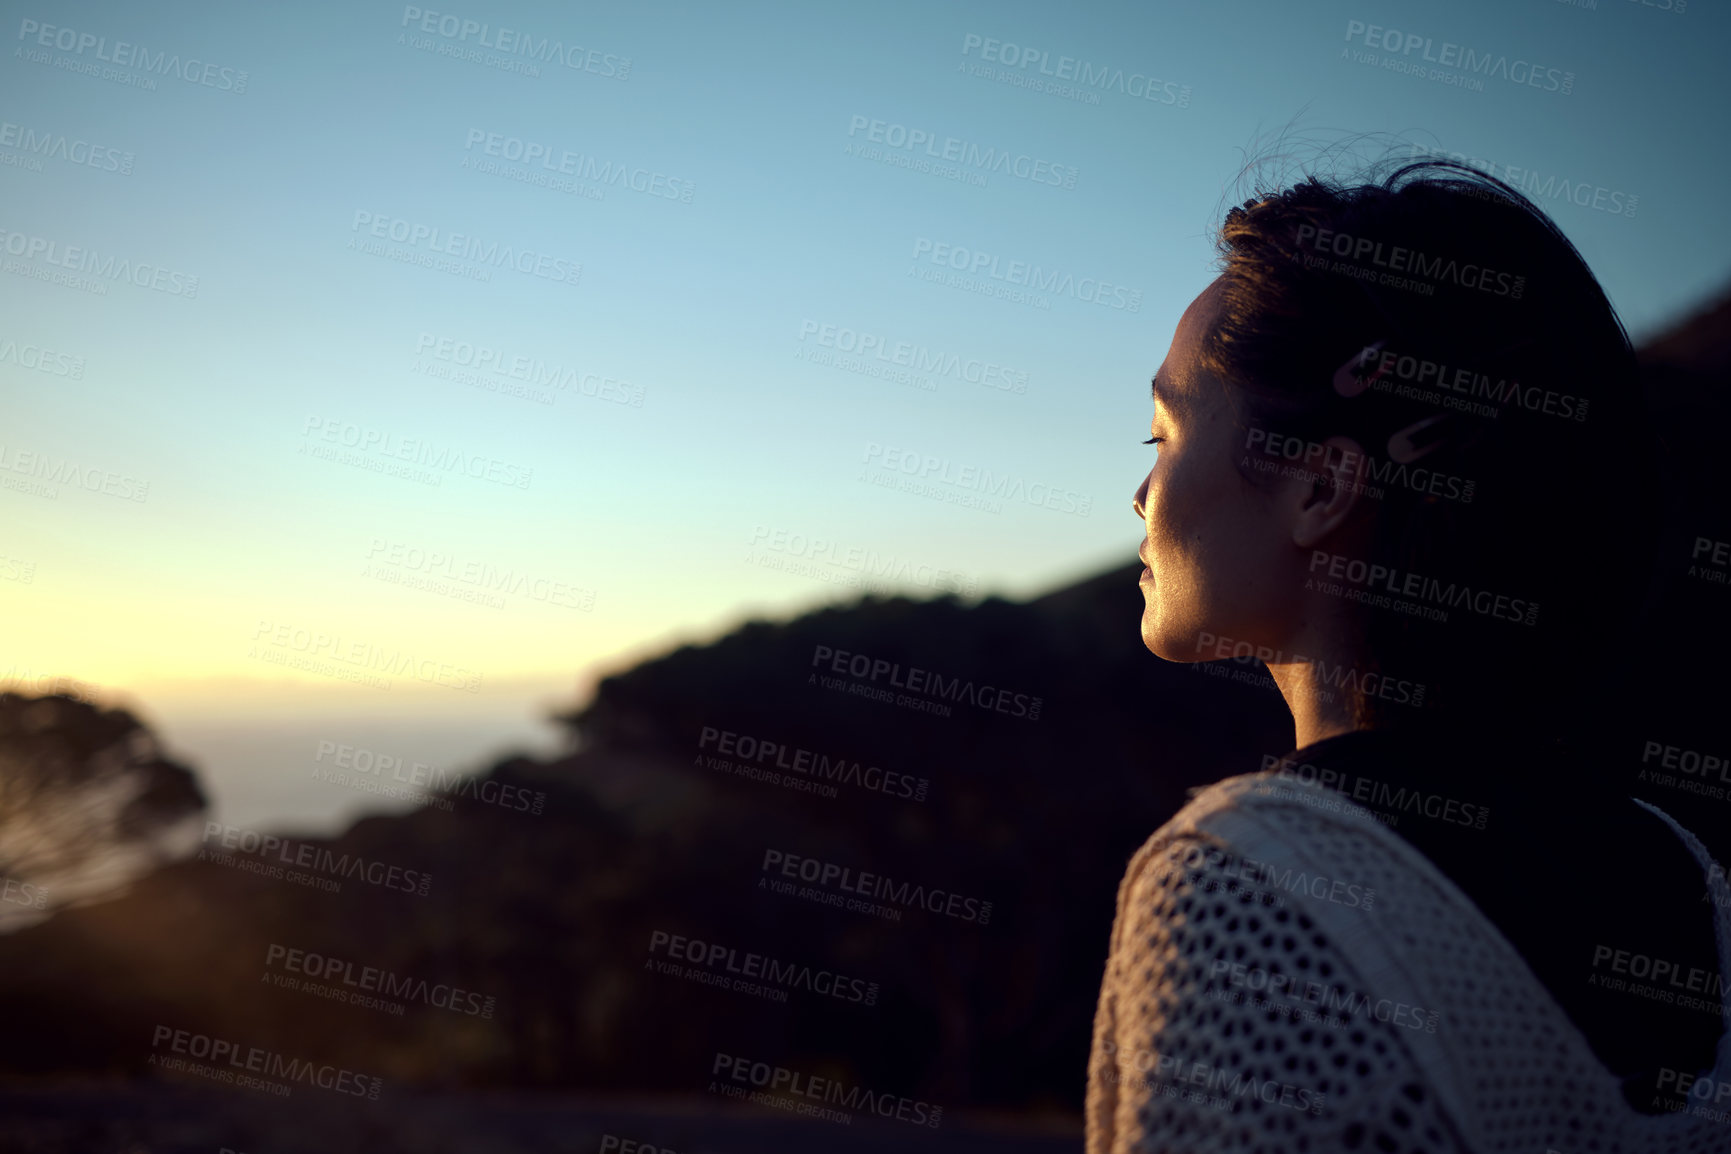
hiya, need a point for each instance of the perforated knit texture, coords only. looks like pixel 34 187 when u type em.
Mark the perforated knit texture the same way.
pixel 1288 975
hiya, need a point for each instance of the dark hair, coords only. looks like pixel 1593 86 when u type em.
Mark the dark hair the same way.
pixel 1543 451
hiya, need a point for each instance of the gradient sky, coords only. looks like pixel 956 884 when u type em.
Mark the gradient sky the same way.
pixel 649 521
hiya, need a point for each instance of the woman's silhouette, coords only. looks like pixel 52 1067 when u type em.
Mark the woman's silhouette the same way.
pixel 1403 459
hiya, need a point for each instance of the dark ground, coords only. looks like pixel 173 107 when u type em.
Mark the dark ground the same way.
pixel 136 1118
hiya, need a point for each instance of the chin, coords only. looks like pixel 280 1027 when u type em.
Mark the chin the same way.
pixel 1178 655
pixel 1180 647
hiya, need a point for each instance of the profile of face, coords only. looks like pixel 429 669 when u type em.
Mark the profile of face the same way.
pixel 1227 557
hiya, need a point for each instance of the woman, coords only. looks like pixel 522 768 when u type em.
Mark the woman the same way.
pixel 1402 460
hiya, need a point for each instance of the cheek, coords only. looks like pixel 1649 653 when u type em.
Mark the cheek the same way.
pixel 1205 532
pixel 1178 509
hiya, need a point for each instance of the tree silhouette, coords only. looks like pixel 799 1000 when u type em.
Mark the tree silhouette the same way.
pixel 87 804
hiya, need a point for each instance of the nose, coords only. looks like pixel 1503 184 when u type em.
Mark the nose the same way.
pixel 1141 496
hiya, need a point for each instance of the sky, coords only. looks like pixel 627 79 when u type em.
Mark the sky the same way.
pixel 386 373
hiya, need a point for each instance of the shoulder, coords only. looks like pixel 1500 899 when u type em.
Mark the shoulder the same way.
pixel 1259 828
pixel 1255 847
pixel 1246 993
pixel 1272 797
pixel 1273 935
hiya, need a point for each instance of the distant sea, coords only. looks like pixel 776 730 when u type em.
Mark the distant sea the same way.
pixel 260 773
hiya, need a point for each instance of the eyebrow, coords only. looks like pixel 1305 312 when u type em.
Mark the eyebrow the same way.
pixel 1168 398
pixel 1164 396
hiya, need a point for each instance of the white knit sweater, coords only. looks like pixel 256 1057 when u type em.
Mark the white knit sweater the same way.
pixel 1287 974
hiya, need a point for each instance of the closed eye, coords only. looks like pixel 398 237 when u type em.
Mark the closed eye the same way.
pixel 1154 441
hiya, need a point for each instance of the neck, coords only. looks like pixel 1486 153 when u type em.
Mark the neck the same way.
pixel 1321 707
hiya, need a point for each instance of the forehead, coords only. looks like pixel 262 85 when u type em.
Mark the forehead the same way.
pixel 1178 383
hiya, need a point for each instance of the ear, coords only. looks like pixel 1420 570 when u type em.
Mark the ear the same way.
pixel 1324 502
